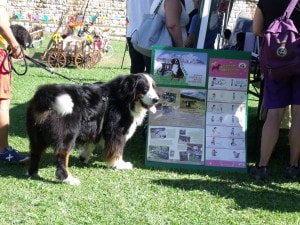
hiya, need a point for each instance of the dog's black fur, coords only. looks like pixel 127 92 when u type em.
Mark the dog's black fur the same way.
pixel 60 116
pixel 22 35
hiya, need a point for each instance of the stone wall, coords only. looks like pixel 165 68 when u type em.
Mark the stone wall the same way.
pixel 110 13
pixel 241 8
pixel 46 13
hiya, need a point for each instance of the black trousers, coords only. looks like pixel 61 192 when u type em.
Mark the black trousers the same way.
pixel 139 62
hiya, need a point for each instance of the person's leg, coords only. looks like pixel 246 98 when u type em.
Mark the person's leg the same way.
pixel 5 95
pixel 270 133
pixel 136 58
pixel 294 136
pixel 4 123
pixel 147 63
pixel 7 153
pixel 292 170
pixel 295 123
pixel 276 98
pixel 277 95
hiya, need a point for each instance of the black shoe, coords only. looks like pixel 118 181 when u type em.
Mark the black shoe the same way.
pixel 259 172
pixel 292 172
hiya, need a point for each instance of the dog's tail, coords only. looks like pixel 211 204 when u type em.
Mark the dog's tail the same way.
pixel 49 98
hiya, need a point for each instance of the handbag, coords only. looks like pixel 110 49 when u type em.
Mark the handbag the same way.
pixel 280 48
pixel 152 32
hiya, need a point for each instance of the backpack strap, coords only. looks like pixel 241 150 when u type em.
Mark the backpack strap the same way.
pixel 156 9
pixel 290 8
pixel 183 3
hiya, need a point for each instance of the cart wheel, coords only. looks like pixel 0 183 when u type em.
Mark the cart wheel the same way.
pixel 97 55
pixel 57 59
pixel 84 61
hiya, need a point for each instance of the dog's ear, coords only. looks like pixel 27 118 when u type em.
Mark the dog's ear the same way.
pixel 128 88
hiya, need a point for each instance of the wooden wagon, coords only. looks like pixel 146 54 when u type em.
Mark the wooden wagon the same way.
pixel 73 50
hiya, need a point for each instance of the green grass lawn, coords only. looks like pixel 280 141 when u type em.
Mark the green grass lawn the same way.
pixel 143 195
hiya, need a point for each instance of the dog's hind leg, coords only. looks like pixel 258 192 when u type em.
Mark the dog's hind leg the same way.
pixel 34 164
pixel 36 152
pixel 62 168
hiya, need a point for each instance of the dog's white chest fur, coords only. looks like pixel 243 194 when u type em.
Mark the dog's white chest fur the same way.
pixel 175 68
pixel 138 118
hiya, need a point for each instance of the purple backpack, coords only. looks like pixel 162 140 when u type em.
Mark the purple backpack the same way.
pixel 280 49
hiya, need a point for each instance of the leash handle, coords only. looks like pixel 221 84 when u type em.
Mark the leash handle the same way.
pixel 25 64
pixel 8 57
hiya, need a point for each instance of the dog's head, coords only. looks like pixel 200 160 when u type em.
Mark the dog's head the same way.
pixel 140 88
pixel 22 35
pixel 175 61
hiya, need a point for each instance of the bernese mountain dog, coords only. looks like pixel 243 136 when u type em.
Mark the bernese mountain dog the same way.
pixel 176 69
pixel 62 116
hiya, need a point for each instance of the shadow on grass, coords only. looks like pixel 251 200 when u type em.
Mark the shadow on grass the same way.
pixel 269 196
pixel 19 171
pixel 17 120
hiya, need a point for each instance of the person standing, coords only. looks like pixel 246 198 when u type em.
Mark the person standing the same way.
pixel 176 19
pixel 135 11
pixel 193 13
pixel 7 39
pixel 192 28
pixel 277 95
pixel 192 33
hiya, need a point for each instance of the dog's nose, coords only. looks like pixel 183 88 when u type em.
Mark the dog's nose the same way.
pixel 155 100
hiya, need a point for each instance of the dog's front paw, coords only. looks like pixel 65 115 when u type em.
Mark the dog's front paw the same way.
pixel 71 180
pixel 36 174
pixel 122 165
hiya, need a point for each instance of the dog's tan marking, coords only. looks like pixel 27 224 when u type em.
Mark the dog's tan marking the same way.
pixel 41 117
pixel 67 163
pixel 111 159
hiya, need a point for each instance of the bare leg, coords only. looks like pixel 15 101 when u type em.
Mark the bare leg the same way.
pixel 4 123
pixel 270 133
pixel 294 136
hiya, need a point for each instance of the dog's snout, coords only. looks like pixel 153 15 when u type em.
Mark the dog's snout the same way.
pixel 155 100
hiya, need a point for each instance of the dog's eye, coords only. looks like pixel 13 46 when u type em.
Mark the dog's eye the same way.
pixel 142 88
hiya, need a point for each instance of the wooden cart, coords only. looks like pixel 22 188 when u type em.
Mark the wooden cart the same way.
pixel 73 50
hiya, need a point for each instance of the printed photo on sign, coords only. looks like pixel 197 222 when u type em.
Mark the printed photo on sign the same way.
pixel 176 145
pixel 179 68
pixel 180 107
